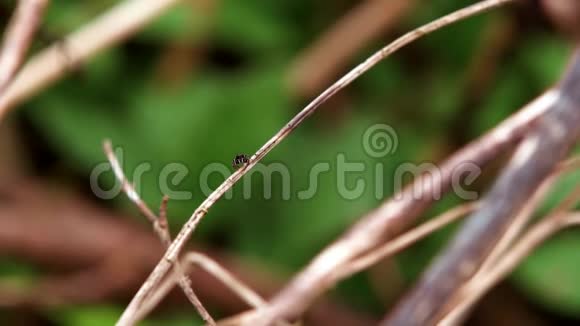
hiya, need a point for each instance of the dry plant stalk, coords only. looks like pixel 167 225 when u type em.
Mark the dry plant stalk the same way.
pixel 172 253
pixel 19 35
pixel 160 226
pixel 112 27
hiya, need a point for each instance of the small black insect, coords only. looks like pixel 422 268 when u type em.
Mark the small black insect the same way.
pixel 240 160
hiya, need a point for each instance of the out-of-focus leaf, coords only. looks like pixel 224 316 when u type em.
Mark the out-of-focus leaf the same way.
pixel 545 58
pixel 249 25
pixel 77 126
pixel 508 96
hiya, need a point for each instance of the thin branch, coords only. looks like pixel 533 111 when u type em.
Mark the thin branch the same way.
pixel 114 26
pixel 159 225
pixel 536 157
pixel 161 230
pixel 19 35
pixel 170 256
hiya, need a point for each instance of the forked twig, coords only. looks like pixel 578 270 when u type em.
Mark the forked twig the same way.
pixel 159 225
pixel 18 38
pixel 195 259
pixel 171 255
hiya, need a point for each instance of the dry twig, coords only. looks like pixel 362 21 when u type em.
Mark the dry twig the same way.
pixel 272 311
pixel 160 226
pixel 18 38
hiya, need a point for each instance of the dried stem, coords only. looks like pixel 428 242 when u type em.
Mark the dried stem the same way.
pixel 161 230
pixel 171 255
pixel 18 38
pixel 159 225
pixel 105 31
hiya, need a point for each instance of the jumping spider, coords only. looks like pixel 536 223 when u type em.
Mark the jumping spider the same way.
pixel 240 160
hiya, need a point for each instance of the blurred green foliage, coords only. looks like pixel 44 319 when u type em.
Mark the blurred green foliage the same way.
pixel 222 107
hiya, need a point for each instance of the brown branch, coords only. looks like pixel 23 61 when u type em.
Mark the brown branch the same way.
pixel 161 229
pixel 18 38
pixel 535 158
pixel 171 255
pixel 110 28
pixel 129 190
